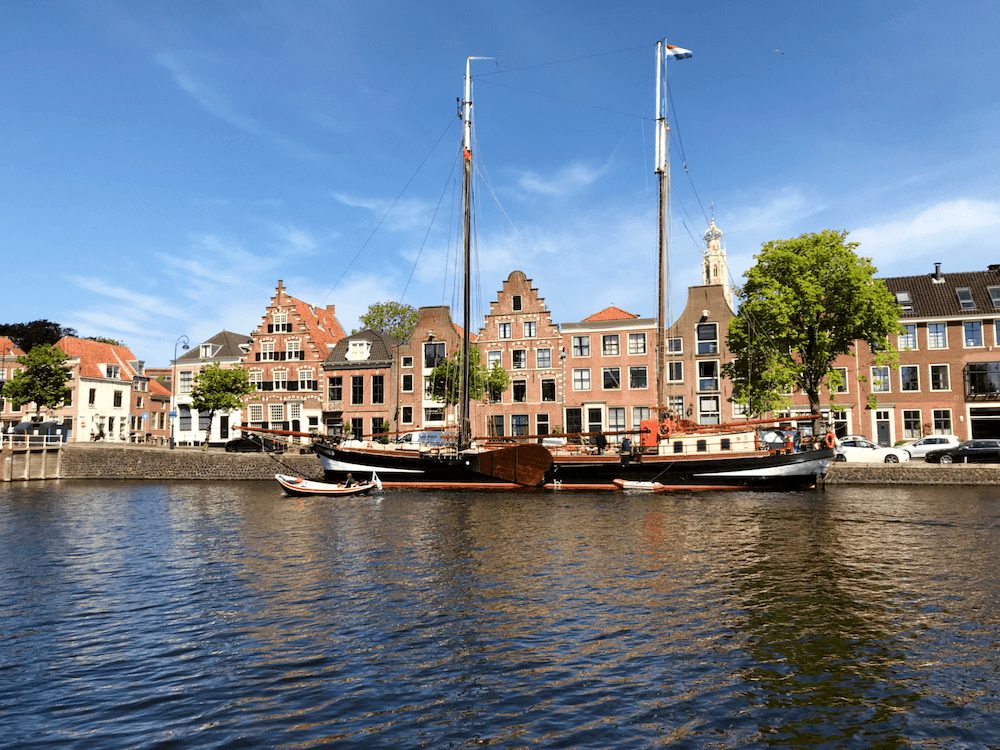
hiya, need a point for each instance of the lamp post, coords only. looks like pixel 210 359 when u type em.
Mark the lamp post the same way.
pixel 173 383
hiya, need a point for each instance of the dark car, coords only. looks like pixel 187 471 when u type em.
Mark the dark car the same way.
pixel 970 452
pixel 253 445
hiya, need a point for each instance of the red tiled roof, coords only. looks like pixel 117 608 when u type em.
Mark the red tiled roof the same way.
pixel 610 313
pixel 324 328
pixel 9 349
pixel 461 332
pixel 94 354
pixel 156 388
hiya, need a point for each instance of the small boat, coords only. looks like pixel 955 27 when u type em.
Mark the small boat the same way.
pixel 300 487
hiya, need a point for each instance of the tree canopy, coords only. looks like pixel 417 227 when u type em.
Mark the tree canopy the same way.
pixel 391 318
pixel 42 379
pixel 219 389
pixel 446 379
pixel 806 301
pixel 29 335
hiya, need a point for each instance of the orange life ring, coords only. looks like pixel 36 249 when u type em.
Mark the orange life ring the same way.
pixel 664 431
pixel 830 440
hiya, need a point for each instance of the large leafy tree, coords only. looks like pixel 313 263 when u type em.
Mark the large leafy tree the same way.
pixel 806 302
pixel 446 379
pixel 391 318
pixel 37 332
pixel 219 389
pixel 42 379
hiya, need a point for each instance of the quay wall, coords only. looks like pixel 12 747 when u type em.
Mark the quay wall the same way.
pixel 912 472
pixel 153 463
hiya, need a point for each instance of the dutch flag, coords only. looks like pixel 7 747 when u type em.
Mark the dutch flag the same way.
pixel 678 53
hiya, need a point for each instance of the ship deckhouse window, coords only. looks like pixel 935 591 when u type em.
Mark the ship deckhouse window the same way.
pixel 965 300
pixel 903 298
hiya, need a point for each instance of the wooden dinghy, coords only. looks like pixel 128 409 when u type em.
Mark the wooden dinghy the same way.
pixel 299 487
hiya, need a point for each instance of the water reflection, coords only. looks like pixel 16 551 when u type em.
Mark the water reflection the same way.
pixel 196 613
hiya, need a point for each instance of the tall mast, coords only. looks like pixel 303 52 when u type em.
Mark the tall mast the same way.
pixel 464 427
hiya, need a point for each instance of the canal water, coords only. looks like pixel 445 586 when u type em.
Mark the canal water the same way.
pixel 225 615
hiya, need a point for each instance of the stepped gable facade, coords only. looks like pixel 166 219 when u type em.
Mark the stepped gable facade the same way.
pixel 226 349
pixel 518 335
pixel 285 360
pixel 361 390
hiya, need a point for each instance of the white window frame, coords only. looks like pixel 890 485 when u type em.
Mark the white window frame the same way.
pixel 902 388
pixel 581 374
pixel 538 358
pixel 675 345
pixel 636 343
pixel 514 359
pixel 965 336
pixel 881 374
pixel 582 343
pixel 275 413
pixel 611 345
pixel 930 382
pixel 494 358
pixel 670 372
pixel 908 340
pixel 930 341
pixel 530 329
pixel 255 413
pixel 606 371
pixel 645 372
pixel 283 372
pixel 947 430
pixel 908 434
pixel 505 330
pixel 267 350
pixel 844 385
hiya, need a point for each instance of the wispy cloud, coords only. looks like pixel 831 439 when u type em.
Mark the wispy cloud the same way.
pixel 137 305
pixel 771 213
pixel 565 181
pixel 406 214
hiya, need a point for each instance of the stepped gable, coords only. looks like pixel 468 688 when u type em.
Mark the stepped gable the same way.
pixel 934 295
pixel 9 349
pixel 94 354
pixel 610 313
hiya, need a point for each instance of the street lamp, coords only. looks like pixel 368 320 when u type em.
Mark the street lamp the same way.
pixel 173 382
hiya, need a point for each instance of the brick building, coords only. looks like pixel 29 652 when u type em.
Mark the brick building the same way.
pixel 9 352
pixel 361 392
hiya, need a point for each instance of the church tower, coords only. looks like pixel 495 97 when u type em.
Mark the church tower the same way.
pixel 714 265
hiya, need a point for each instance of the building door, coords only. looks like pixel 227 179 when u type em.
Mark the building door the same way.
pixel 224 427
pixel 595 419
pixel 574 422
pixel 883 423
pixel 985 422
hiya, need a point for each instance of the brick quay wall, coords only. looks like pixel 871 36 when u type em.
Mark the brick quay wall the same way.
pixel 97 461
pixel 142 462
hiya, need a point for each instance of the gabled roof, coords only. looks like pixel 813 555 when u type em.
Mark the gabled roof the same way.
pixel 156 388
pixel 935 295
pixel 9 349
pixel 228 344
pixel 610 313
pixel 95 355
pixel 379 356
pixel 322 323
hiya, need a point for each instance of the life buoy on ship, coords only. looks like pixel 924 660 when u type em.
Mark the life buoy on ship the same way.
pixel 664 431
pixel 830 440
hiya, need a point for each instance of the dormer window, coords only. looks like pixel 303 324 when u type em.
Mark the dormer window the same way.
pixel 994 295
pixel 207 350
pixel 965 300
pixel 111 371
pixel 358 350
pixel 905 302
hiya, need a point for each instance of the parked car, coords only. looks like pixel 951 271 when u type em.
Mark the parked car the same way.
pixel 247 444
pixel 969 452
pixel 857 449
pixel 920 448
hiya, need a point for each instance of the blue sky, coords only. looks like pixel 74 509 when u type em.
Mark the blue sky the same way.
pixel 163 164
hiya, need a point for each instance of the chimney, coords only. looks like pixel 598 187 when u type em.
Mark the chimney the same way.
pixel 937 272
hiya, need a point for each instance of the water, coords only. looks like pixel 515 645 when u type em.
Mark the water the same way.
pixel 203 615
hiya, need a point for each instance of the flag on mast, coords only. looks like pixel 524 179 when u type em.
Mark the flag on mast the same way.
pixel 678 52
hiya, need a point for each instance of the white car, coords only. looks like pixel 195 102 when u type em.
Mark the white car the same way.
pixel 919 448
pixel 857 449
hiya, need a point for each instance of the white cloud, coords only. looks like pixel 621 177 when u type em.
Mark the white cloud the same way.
pixel 769 214
pixel 570 179
pixel 126 301
pixel 405 214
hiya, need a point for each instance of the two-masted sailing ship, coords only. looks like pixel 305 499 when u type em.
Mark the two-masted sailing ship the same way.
pixel 663 455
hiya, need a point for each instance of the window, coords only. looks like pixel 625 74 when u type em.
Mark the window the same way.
pixel 184 411
pixel 909 378
pixel 940 380
pixel 267 350
pixel 494 359
pixel 708 410
pixel 92 397
pixel 842 385
pixel 293 350
pixel 973 333
pixel 609 345
pixel 358 350
pixel 639 413
pixel 543 358
pixel 357 428
pixel 937 335
pixel 541 424
pixel 407 361
pixel 515 302
pixel 519 424
pixel 336 388
pixel 675 346
pixel 307 382
pixel 529 329
pixel 637 377
pixel 519 359
pixel 994 295
pixel 407 415
pixel 357 389
pixel 942 421
pixel 708 338
pixel 637 343
pixel 204 421
pixel 407 382
pixel 982 379
pixel 908 339
pixel 708 377
pixel 675 372
pixel 378 389
pixel 612 378
pixel 965 300
pixel 256 413
pixel 675 405
pixel 520 390
pixel 118 399
pixel 112 371
pixel 574 421
pixel 280 323
pixel 911 423
pixel 496 427
pixel 581 379
pixel 905 302
pixel 275 412
pixel 186 381
pixel 433 353
pixel 996 332
pixel 581 346
pixel 255 378
pixel 548 390
pixel 880 379
pixel 504 330
pixel 295 410
pixel 433 414
pixel 616 422
pixel 280 378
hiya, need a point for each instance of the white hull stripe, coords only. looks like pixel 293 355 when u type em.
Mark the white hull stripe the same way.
pixel 330 464
pixel 800 469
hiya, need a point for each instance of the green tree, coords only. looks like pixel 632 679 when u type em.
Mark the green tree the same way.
pixel 42 379
pixel 391 318
pixel 218 389
pixel 806 302
pixel 446 379
pixel 29 335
